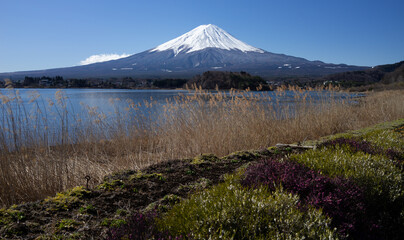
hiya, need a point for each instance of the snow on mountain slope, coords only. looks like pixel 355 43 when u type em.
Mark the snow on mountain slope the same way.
pixel 205 36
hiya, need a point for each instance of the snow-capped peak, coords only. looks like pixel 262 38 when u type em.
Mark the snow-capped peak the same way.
pixel 205 36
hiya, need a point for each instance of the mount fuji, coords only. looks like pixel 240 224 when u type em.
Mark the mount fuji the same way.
pixel 204 48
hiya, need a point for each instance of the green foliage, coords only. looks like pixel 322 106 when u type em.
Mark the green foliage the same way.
pixel 203 158
pixel 140 175
pixel 67 224
pixel 121 212
pixel 111 185
pixel 274 150
pixel 386 139
pixel 10 215
pixel 88 209
pixel 189 171
pixel 111 222
pixel 229 211
pixel 168 201
pixel 377 133
pixel 164 204
pixel 376 173
pixel 171 198
pixel 200 184
pixel 66 200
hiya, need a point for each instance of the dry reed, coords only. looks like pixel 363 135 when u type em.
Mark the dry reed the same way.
pixel 37 161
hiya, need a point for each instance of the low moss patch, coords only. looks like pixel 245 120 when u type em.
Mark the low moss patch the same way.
pixel 203 158
pixel 67 200
pixel 10 215
pixel 112 222
pixel 141 175
pixel 67 225
pixel 111 185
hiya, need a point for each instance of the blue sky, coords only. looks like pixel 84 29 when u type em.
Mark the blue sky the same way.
pixel 44 34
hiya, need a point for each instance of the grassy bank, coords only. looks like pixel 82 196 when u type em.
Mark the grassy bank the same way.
pixel 41 163
pixel 351 186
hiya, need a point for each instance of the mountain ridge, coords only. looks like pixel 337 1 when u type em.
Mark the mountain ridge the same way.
pixel 202 49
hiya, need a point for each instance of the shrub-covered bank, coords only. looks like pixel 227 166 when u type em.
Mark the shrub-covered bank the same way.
pixel 349 187
pixel 38 160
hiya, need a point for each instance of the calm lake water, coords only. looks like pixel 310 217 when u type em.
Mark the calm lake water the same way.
pixel 101 98
pixel 79 102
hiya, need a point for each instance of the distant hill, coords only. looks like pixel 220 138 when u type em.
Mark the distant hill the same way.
pixel 393 72
pixel 388 76
pixel 377 76
pixel 227 80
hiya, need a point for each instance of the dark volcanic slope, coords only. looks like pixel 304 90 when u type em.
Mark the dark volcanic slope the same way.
pixel 165 64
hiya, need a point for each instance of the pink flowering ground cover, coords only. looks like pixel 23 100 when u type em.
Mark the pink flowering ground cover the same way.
pixel 341 199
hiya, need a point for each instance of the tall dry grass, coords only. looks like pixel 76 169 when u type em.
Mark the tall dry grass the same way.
pixel 37 161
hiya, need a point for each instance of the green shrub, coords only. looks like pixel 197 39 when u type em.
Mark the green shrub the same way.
pixel 387 139
pixel 229 211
